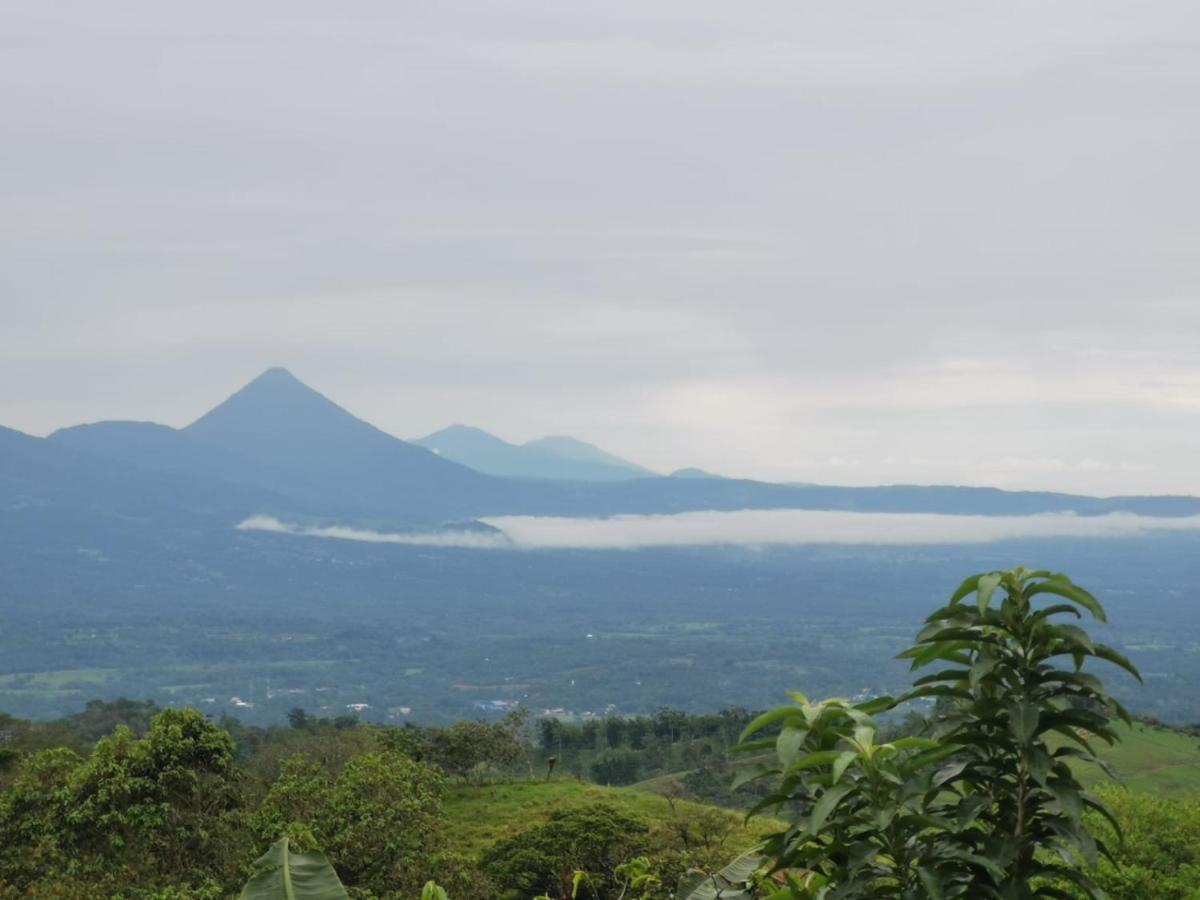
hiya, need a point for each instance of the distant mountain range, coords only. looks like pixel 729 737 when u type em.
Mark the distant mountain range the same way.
pixel 279 447
pixel 563 458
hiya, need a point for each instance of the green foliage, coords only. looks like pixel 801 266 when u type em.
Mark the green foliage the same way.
pixel 616 767
pixel 378 818
pixel 736 881
pixel 595 839
pixel 868 806
pixel 466 747
pixel 985 806
pixel 283 874
pixel 1159 858
pixel 157 810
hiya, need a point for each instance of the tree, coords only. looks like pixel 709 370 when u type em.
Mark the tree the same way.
pixel 465 746
pixel 595 839
pixel 377 819
pixel 615 767
pixel 161 810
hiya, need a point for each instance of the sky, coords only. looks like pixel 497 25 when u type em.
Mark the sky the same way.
pixel 855 243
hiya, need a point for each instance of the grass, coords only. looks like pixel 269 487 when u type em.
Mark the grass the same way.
pixel 477 817
pixel 1149 760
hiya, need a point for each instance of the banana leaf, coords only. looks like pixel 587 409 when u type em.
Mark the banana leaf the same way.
pixel 286 875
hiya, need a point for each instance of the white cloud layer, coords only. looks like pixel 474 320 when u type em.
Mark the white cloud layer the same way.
pixel 753 528
pixel 478 540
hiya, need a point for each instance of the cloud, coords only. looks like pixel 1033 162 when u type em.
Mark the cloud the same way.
pixel 753 528
pixel 450 538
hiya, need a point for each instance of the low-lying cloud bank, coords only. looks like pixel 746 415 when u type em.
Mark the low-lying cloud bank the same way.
pixel 750 527
pixel 482 540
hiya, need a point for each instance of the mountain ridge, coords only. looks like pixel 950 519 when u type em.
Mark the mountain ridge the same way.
pixel 557 458
pixel 281 438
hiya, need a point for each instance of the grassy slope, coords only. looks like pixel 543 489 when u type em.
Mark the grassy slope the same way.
pixel 1150 760
pixel 479 816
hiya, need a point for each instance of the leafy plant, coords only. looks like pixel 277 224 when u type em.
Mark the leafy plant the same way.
pixel 283 874
pixel 734 882
pixel 986 805
pixel 876 819
pixel 1008 691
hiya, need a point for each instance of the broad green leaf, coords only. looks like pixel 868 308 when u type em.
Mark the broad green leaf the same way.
pixel 981 669
pixel 864 736
pixel 967 587
pixel 824 807
pixel 876 705
pixel 842 763
pixel 1055 610
pixel 788 744
pixel 740 870
pixel 985 588
pixel 1061 586
pixel 812 760
pixel 1023 719
pixel 931 883
pixel 770 717
pixel 285 875
pixel 1103 651
pixel 1069 799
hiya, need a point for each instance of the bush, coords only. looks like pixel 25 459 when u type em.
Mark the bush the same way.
pixel 1159 858
pixel 377 819
pixel 595 839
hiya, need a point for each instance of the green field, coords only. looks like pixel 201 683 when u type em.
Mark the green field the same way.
pixel 1150 760
pixel 479 816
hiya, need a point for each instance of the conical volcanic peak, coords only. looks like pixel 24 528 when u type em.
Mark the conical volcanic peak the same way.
pixel 275 392
pixel 278 419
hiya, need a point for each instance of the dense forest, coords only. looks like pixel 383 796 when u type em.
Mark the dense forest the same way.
pixel 973 783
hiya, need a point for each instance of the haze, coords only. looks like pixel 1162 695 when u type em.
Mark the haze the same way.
pixel 878 242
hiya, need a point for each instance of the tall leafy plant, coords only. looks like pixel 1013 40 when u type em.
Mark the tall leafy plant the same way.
pixel 985 805
pixel 1019 707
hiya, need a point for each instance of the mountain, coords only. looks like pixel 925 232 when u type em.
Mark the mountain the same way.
pixel 279 440
pixel 693 472
pixel 342 462
pixel 53 495
pixel 560 458
pixel 581 451
pixel 160 448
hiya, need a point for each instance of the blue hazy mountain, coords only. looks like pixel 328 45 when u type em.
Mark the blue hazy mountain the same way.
pixel 562 458
pixel 282 438
pixel 160 448
pixel 57 493
pixel 331 457
pixel 280 435
pixel 692 472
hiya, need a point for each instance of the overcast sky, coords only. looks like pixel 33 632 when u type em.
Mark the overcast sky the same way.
pixel 840 242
